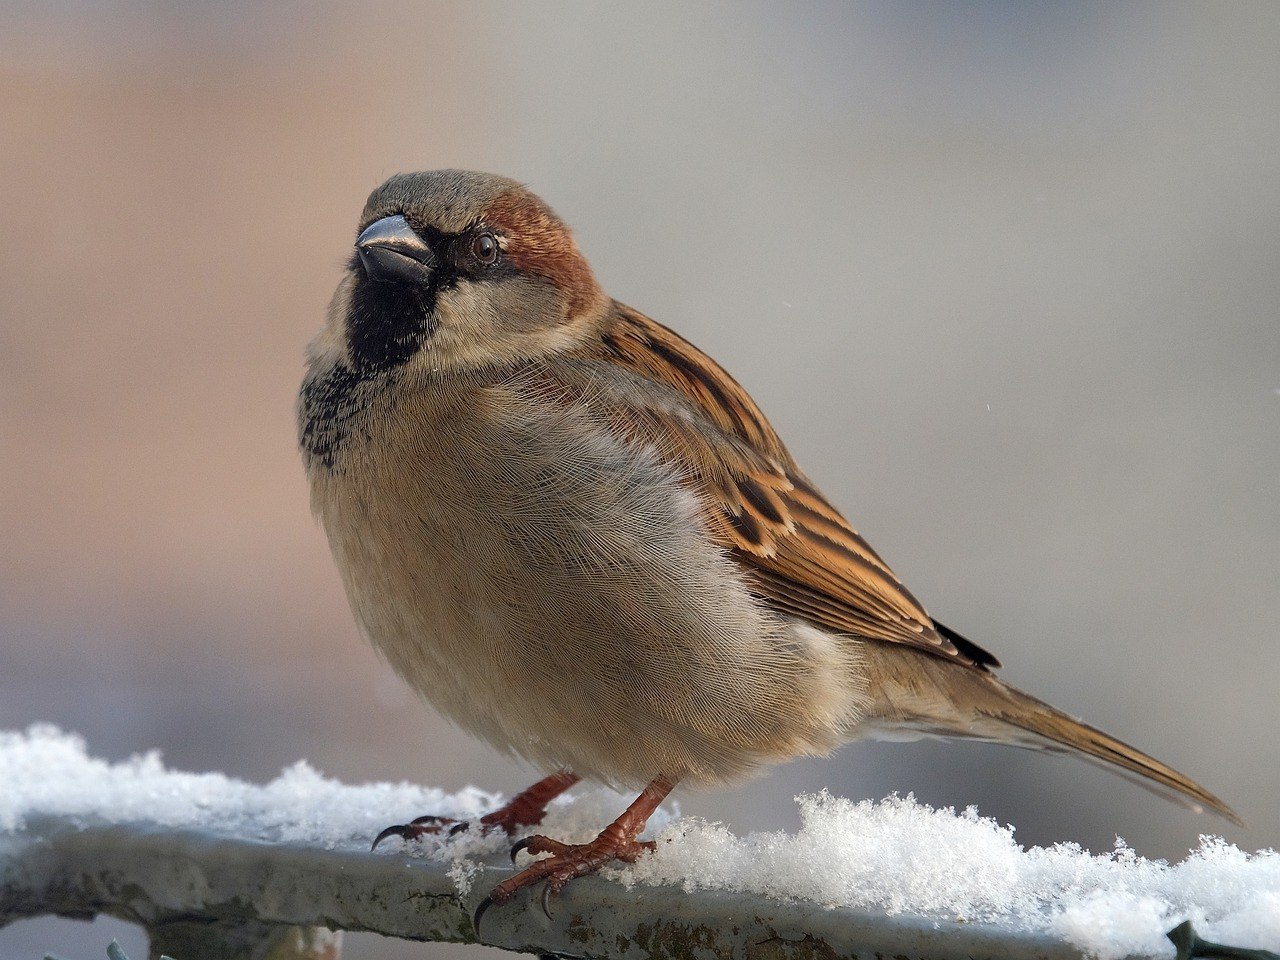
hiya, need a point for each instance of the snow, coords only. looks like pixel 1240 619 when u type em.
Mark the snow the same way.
pixel 896 856
pixel 903 857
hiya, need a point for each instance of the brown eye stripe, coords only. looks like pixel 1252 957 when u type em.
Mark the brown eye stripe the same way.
pixel 538 243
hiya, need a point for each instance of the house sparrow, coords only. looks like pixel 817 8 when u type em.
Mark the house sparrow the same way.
pixel 577 536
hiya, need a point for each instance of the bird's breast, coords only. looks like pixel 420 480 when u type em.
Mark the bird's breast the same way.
pixel 552 588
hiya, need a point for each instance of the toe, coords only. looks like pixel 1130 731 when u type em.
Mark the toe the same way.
pixel 416 829
pixel 537 844
pixel 431 820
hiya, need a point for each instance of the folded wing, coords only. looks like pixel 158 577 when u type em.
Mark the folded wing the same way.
pixel 803 557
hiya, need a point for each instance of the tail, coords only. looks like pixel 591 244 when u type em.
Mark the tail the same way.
pixel 914 694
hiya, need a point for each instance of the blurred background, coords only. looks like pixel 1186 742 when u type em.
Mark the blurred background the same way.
pixel 1005 275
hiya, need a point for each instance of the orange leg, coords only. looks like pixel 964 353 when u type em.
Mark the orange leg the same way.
pixel 567 861
pixel 525 809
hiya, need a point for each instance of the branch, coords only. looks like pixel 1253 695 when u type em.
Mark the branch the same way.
pixel 157 877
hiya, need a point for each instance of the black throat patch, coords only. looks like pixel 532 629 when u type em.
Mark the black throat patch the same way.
pixel 388 322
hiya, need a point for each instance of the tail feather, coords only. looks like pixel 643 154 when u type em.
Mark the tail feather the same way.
pixel 916 694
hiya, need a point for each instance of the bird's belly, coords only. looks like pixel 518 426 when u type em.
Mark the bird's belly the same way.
pixel 554 593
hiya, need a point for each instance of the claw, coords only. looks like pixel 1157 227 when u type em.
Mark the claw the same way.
pixel 430 818
pixel 517 847
pixel 485 904
pixel 415 829
pixel 400 830
pixel 546 899
pixel 460 827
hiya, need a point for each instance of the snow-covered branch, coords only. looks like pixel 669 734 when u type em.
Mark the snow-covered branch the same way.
pixel 184 853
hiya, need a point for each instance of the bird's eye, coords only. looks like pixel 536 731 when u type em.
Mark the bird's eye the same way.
pixel 485 248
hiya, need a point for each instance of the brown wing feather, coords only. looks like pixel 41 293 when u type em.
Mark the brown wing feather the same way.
pixel 804 556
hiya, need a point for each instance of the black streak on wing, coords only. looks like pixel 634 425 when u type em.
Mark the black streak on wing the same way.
pixel 746 525
pixel 755 496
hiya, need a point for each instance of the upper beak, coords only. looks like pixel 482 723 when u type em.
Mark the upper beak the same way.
pixel 392 252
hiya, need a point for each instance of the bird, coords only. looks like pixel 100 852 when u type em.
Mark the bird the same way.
pixel 579 538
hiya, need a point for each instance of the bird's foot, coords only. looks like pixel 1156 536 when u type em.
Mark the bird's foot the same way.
pixel 525 809
pixel 567 862
pixel 570 860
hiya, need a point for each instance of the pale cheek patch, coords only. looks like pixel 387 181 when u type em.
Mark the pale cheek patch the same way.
pixel 482 325
pixel 468 332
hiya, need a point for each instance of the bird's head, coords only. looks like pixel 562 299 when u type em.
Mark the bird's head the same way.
pixel 461 271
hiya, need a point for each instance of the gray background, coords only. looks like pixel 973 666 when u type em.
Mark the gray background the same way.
pixel 1003 274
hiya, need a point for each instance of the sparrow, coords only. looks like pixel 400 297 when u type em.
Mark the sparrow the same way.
pixel 576 535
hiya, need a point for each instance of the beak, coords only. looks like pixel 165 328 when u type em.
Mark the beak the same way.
pixel 392 253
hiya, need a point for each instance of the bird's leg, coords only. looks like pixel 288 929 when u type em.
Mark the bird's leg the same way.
pixel 567 861
pixel 528 807
pixel 525 809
